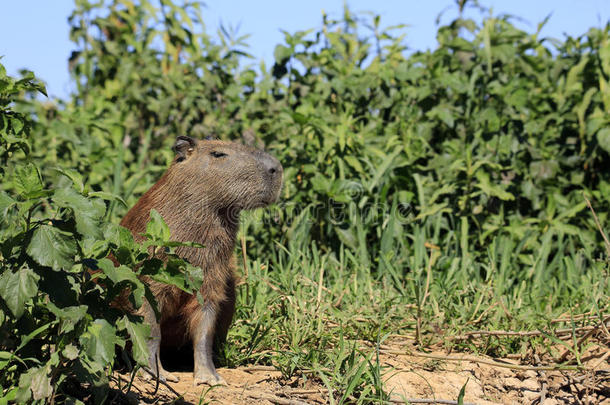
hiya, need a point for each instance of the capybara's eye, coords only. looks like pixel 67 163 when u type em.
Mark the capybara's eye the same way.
pixel 217 154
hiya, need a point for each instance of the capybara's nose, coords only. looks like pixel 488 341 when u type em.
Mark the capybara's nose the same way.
pixel 271 165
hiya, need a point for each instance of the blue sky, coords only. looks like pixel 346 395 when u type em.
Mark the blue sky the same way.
pixel 34 33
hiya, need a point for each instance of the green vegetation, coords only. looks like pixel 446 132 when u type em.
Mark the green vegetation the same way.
pixel 429 194
pixel 57 284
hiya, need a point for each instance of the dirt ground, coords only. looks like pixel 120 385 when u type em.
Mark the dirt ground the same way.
pixel 415 377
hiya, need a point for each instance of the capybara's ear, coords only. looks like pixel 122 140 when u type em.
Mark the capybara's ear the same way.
pixel 184 147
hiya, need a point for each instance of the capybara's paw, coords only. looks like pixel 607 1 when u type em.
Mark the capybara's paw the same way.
pixel 209 378
pixel 167 376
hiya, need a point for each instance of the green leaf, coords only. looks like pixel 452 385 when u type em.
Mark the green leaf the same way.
pixel 98 341
pixel 6 202
pixel 5 358
pixel 492 190
pixel 299 118
pixel 355 379
pixel 76 177
pixel 156 228
pixel 27 338
pixel 354 163
pixel 462 393
pixel 571 212
pixel 573 81
pixel 25 382
pixel 119 235
pixel 443 113
pixel 172 274
pixel 518 98
pixel 385 166
pixel 87 212
pixel 52 247
pixel 544 169
pixel 281 53
pixel 320 184
pixel 387 236
pixel 118 274
pixel 37 381
pixel 347 236
pixel 490 118
pixel 194 277
pixel 139 335
pixel 94 248
pixel 9 396
pixel 432 210
pixel 108 197
pixel 70 351
pixel 27 180
pixel 17 123
pixel 603 138
pixel 68 316
pixel 566 228
pixel 18 288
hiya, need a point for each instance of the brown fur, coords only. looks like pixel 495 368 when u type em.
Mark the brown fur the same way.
pixel 200 197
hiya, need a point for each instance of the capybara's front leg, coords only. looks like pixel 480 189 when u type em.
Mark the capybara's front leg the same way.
pixel 225 315
pixel 154 347
pixel 203 341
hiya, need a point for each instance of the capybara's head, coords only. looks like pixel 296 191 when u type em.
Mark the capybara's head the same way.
pixel 226 175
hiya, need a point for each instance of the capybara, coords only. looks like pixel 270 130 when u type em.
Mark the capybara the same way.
pixel 200 197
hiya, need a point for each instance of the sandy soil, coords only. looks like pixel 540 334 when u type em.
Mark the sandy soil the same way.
pixel 433 375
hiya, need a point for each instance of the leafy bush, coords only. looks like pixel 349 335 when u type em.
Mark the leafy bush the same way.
pixel 58 286
pixel 449 179
pixel 488 130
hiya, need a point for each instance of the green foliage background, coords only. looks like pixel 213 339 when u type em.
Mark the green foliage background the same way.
pixel 437 191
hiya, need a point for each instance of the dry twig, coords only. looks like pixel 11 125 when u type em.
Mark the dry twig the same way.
pixel 557 332
pixel 274 399
pixel 396 400
pixel 320 284
pixel 542 382
pixel 480 361
pixel 251 369
pixel 593 329
pixel 599 226
pixel 580 317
